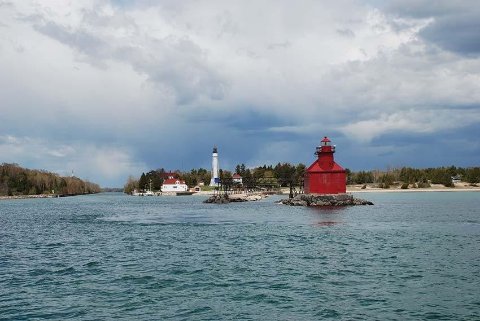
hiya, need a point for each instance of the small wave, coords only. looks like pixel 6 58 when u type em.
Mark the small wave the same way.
pixel 55 244
pixel 437 316
pixel 192 312
pixel 328 313
pixel 412 277
pixel 66 271
pixel 280 286
pixel 369 301
pixel 179 271
pixel 39 272
pixel 162 284
pixel 136 279
pixel 92 264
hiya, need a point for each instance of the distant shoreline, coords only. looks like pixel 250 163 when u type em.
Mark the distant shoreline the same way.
pixel 412 190
pixel 19 197
pixel 460 187
pixel 22 197
pixel 286 191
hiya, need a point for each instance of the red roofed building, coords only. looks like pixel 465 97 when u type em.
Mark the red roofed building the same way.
pixel 167 175
pixel 174 185
pixel 237 178
pixel 325 176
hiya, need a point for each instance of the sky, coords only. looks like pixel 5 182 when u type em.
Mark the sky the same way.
pixel 107 89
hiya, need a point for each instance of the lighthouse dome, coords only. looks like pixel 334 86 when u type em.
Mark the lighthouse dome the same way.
pixel 325 141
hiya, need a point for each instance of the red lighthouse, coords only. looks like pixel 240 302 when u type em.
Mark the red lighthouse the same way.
pixel 325 176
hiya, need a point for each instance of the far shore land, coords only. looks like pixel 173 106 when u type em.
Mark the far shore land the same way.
pixel 14 197
pixel 459 187
pixel 369 188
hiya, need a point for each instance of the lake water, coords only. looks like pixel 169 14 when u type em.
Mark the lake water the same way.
pixel 411 256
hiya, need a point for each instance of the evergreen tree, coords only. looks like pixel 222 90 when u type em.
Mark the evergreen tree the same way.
pixel 142 183
pixel 472 175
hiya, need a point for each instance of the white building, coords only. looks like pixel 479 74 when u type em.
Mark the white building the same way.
pixel 174 185
pixel 215 176
pixel 237 178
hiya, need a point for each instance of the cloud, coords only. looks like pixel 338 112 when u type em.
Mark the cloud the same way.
pixel 346 33
pixel 458 34
pixel 412 121
pixel 454 24
pixel 143 84
pixel 175 63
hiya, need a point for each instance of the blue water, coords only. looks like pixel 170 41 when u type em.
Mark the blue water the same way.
pixel 411 256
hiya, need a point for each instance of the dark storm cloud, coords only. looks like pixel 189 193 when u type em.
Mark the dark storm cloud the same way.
pixel 460 34
pixel 455 25
pixel 402 139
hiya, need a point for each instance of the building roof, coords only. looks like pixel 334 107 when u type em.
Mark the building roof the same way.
pixel 315 167
pixel 236 175
pixel 325 140
pixel 173 181
pixel 168 175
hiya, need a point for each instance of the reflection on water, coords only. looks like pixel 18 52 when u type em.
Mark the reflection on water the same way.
pixel 325 216
pixel 328 209
pixel 327 223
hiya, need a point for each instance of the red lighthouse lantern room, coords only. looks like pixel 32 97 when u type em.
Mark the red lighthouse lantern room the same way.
pixel 325 176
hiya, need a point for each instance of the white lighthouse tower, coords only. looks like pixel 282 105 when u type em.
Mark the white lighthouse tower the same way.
pixel 215 179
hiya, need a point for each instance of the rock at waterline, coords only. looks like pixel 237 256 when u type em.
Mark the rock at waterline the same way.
pixel 218 199
pixel 225 199
pixel 324 200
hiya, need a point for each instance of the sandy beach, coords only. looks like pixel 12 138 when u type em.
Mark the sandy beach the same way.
pixel 459 187
pixel 370 188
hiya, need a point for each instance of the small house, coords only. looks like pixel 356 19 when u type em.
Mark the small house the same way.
pixel 237 179
pixel 174 185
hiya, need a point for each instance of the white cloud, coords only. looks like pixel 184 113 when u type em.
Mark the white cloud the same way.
pixel 411 121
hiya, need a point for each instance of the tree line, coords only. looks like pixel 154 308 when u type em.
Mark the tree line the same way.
pixel 286 174
pixel 266 176
pixel 16 180
pixel 415 177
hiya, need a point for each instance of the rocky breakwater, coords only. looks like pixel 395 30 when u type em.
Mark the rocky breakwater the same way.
pixel 225 199
pixel 324 200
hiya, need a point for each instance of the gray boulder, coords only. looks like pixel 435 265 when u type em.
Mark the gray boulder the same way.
pixel 325 200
